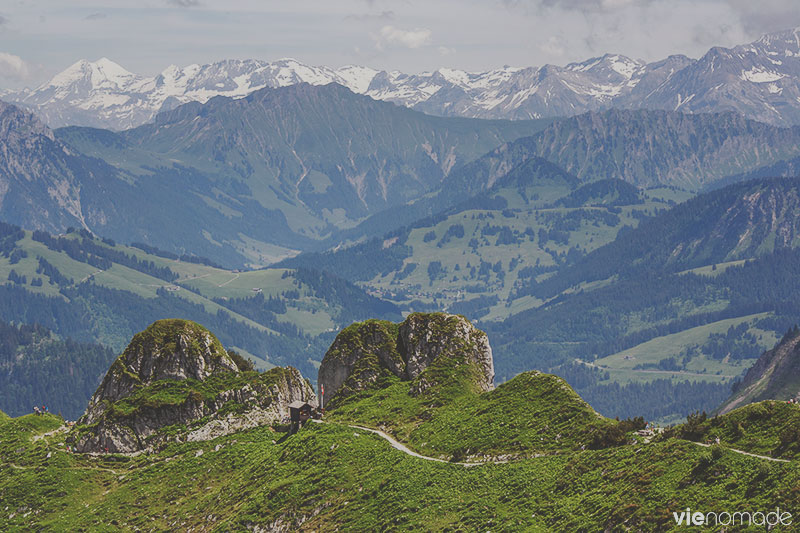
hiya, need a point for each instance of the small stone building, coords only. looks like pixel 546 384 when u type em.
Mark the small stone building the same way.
pixel 299 411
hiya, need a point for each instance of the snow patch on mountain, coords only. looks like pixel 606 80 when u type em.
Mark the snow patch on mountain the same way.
pixel 758 75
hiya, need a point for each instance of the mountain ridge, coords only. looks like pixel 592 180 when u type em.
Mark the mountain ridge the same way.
pixel 772 376
pixel 273 172
pixel 760 80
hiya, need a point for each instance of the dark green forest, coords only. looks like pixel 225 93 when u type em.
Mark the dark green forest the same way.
pixel 37 369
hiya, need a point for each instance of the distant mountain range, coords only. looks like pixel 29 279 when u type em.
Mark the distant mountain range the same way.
pixel 245 180
pixel 760 80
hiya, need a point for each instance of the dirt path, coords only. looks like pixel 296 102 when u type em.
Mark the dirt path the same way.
pixel 90 275
pixel 232 279
pixel 403 448
pixel 746 453
pixel 59 429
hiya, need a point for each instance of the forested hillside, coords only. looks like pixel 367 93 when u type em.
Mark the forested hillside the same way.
pixel 94 290
pixel 38 369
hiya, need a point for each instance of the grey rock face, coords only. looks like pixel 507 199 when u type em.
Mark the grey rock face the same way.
pixel 426 338
pixel 358 354
pixel 363 352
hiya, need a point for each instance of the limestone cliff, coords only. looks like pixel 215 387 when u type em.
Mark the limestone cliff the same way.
pixel 176 381
pixel 428 349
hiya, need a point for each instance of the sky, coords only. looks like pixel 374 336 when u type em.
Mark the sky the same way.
pixel 39 38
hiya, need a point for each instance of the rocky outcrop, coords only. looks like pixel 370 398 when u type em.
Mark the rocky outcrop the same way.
pixel 774 376
pixel 167 349
pixel 428 349
pixel 175 381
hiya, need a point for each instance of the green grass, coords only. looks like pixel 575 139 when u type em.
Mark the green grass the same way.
pixel 330 477
pixel 715 269
pixel 173 393
pixel 770 428
pixel 531 414
pixel 621 365
pixel 457 284
pixel 199 284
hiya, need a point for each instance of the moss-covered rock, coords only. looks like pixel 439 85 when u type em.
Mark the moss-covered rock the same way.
pixel 168 349
pixel 430 349
pixel 174 376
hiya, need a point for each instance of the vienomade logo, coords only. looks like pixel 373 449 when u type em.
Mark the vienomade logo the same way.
pixel 735 518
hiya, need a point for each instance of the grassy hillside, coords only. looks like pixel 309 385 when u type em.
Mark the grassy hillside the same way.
pixel 532 414
pixel 770 428
pixel 479 257
pixel 681 302
pixel 695 293
pixel 331 476
pixel 650 148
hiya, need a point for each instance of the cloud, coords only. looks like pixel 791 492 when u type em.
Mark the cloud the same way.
pixel 3 21
pixel 184 3
pixel 766 16
pixel 382 15
pixel 13 67
pixel 446 51
pixel 95 16
pixel 553 46
pixel 586 6
pixel 415 38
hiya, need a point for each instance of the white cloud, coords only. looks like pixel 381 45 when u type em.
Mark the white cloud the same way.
pixel 415 38
pixel 553 46
pixel 13 67
pixel 184 3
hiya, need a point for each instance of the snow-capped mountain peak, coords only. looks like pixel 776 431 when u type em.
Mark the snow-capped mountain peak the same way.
pixel 760 79
pixel 100 73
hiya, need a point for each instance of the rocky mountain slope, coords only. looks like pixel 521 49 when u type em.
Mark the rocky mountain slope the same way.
pixel 646 148
pixel 760 80
pixel 176 378
pixel 44 184
pixel 772 377
pixel 739 222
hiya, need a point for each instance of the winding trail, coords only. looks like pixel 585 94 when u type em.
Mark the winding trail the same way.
pixel 746 453
pixel 403 448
